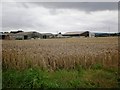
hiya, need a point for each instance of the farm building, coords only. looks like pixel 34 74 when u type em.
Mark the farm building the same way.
pixel 26 35
pixel 20 35
pixel 47 35
pixel 1 35
pixel 80 34
pixel 4 36
pixel 59 35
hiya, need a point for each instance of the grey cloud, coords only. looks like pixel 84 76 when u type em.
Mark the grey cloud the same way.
pixel 44 16
pixel 85 6
pixel 15 18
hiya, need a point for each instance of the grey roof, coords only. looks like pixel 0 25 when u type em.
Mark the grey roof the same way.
pixel 27 33
pixel 77 32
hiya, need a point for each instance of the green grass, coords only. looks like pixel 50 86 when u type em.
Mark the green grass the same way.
pixel 96 77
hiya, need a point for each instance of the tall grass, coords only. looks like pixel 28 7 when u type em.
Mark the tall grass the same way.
pixel 36 78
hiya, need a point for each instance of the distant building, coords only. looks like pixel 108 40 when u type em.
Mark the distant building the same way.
pixel 26 35
pixel 60 35
pixel 4 36
pixel 20 35
pixel 80 34
pixel 1 35
pixel 47 35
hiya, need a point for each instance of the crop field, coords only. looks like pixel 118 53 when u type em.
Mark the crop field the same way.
pixel 69 55
pixel 60 53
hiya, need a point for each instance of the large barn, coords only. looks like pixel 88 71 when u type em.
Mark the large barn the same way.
pixel 20 35
pixel 26 35
pixel 4 36
pixel 79 34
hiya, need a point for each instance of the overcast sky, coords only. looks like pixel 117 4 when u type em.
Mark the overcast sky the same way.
pixel 60 16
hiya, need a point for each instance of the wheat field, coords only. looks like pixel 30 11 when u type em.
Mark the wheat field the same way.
pixel 67 53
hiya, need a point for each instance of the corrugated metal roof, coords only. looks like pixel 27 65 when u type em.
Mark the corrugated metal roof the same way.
pixel 77 32
pixel 27 33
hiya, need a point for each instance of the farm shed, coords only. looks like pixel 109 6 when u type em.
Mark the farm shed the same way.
pixel 61 36
pixel 1 35
pixel 47 35
pixel 4 36
pixel 80 34
pixel 25 35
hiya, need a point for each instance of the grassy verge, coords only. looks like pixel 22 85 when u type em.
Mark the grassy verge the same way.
pixel 78 78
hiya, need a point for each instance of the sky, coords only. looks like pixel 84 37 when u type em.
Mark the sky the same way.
pixel 54 17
